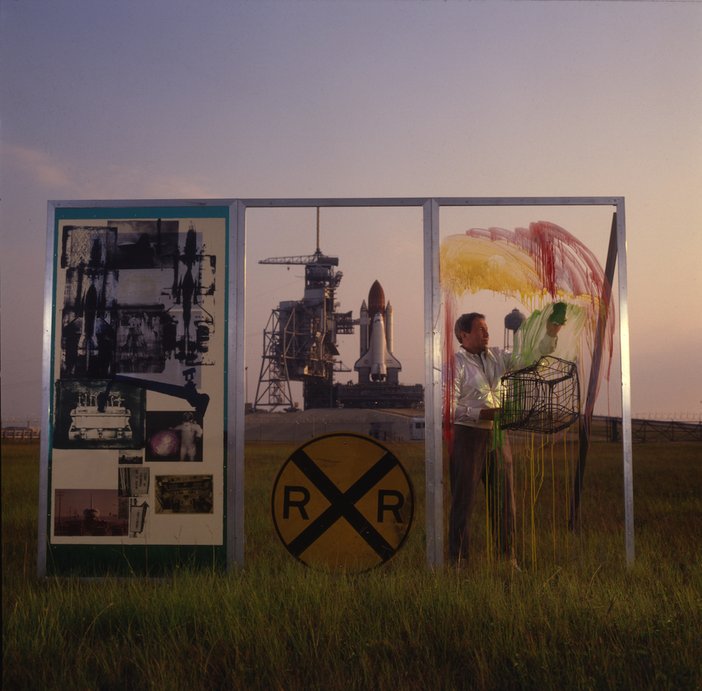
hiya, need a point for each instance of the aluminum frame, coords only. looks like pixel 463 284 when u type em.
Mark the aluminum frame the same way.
pixel 234 404
pixel 431 206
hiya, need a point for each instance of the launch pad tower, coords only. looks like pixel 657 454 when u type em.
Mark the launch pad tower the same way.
pixel 300 344
pixel 300 338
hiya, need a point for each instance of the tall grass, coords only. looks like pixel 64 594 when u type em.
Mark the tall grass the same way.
pixel 580 620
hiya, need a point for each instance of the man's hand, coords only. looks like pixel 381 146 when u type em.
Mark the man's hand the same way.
pixel 552 328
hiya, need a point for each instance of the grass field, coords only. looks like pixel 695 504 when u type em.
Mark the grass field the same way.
pixel 575 617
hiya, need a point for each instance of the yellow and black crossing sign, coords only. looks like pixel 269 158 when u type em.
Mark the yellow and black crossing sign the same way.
pixel 342 501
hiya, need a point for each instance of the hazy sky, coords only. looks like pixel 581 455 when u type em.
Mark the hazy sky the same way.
pixel 164 99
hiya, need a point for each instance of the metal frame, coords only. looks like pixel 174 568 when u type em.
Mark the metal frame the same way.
pixel 432 337
pixel 234 404
pixel 234 510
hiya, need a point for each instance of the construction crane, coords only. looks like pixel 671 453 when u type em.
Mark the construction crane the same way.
pixel 317 258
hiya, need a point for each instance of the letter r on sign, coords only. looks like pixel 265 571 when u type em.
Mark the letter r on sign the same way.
pixel 296 496
pixel 390 500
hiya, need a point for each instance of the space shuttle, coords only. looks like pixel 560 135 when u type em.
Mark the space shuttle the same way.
pixel 377 362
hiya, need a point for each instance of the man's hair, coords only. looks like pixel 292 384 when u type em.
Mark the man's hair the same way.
pixel 465 323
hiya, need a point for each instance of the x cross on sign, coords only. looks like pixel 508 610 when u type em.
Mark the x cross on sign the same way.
pixel 342 501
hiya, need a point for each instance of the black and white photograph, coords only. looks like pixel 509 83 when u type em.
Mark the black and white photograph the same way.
pixel 146 244
pixel 98 414
pixel 137 293
pixel 133 482
pixel 173 436
pixel 184 494
pixel 145 335
pixel 92 512
pixel 90 297
pixel 127 458
pixel 89 248
pixel 166 299
pixel 137 516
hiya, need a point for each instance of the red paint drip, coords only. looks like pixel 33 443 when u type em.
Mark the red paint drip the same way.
pixel 448 371
pixel 564 265
pixel 543 254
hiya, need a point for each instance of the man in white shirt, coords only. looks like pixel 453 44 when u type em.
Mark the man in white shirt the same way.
pixel 476 454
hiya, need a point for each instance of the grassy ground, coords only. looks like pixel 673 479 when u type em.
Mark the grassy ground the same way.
pixel 575 617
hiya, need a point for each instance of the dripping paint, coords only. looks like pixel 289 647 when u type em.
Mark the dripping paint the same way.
pixel 537 266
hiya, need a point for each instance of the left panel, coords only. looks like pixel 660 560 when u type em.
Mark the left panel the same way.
pixel 134 454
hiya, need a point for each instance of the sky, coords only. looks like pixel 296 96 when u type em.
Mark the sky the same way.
pixel 173 99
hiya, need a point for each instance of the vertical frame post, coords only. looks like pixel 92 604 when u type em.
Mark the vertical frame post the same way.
pixel 434 467
pixel 237 394
pixel 627 456
pixel 45 441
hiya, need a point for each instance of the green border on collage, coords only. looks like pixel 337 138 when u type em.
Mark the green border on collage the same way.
pixel 86 560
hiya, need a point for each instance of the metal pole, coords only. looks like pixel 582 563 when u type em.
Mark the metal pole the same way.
pixel 434 467
pixel 44 501
pixel 626 386
pixel 236 393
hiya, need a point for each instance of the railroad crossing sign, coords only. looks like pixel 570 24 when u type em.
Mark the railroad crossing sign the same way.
pixel 342 501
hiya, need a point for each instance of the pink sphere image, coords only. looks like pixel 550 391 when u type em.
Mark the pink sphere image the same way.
pixel 165 443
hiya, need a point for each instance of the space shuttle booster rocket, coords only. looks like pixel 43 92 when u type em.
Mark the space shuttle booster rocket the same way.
pixel 377 362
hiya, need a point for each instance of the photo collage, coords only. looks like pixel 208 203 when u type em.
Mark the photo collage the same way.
pixel 139 354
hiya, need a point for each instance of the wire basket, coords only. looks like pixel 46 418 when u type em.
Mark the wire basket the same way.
pixel 544 397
